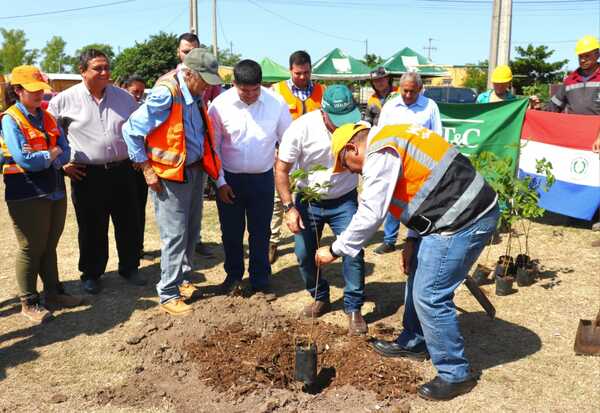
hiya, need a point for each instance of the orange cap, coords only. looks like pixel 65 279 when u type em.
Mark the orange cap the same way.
pixel 30 78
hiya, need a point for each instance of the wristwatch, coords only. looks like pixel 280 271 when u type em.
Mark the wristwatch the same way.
pixel 288 206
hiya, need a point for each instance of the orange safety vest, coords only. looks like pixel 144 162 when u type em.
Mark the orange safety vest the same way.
pixel 438 189
pixel 374 100
pixel 165 145
pixel 296 106
pixel 38 140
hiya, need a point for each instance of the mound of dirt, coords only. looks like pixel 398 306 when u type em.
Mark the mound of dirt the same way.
pixel 241 351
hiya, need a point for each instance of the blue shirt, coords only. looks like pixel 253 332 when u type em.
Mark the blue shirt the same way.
pixel 485 96
pixel 154 111
pixel 38 160
pixel 424 112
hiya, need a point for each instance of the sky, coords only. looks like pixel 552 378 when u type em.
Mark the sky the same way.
pixel 460 29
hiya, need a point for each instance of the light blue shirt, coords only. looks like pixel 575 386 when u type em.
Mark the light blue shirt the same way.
pixel 38 160
pixel 154 111
pixel 424 112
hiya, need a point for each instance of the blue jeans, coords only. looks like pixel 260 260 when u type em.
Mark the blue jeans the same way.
pixel 391 226
pixel 253 204
pixel 440 264
pixel 177 209
pixel 338 214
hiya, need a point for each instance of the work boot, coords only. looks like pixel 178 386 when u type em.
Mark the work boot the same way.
pixel 384 248
pixel 34 311
pixel 316 309
pixel 176 307
pixel 439 389
pixel 273 255
pixel 357 326
pixel 62 300
pixel 231 288
pixel 187 290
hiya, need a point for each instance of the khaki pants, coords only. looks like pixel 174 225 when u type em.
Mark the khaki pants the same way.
pixel 276 221
pixel 38 225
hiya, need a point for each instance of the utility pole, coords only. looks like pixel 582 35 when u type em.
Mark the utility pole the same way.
pixel 366 47
pixel 194 16
pixel 429 48
pixel 214 29
pixel 500 36
pixel 231 48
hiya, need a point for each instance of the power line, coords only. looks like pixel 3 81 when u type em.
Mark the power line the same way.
pixel 301 25
pixel 46 13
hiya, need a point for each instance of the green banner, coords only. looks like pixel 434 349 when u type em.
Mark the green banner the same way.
pixel 493 127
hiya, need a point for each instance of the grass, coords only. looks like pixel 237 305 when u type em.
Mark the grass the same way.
pixel 526 354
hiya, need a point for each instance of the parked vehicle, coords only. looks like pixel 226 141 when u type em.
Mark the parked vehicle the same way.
pixel 448 94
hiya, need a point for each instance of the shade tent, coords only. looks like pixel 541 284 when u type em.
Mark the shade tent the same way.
pixel 337 65
pixel 407 60
pixel 273 72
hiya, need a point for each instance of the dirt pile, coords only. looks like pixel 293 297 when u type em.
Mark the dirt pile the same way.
pixel 238 351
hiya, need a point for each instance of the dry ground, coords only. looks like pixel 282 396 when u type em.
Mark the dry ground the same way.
pixel 525 355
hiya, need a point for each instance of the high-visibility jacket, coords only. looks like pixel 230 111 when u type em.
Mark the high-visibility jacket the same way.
pixel 578 95
pixel 374 106
pixel 165 145
pixel 437 189
pixel 296 106
pixel 21 183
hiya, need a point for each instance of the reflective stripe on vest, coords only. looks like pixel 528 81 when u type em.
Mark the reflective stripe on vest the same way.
pixel 165 146
pixel 35 138
pixel 425 158
pixel 296 106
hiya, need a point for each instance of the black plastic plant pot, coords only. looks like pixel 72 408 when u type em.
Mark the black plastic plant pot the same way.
pixel 306 364
pixel 505 261
pixel 524 278
pixel 504 285
pixel 522 261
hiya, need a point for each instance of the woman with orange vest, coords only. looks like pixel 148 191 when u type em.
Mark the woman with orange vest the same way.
pixel 451 213
pixel 34 150
pixel 381 81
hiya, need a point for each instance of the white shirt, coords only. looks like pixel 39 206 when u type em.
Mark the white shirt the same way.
pixel 245 135
pixel 424 112
pixel 380 174
pixel 307 143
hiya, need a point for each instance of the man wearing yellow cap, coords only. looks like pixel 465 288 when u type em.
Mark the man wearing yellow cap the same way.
pixel 580 91
pixel 424 182
pixel 501 79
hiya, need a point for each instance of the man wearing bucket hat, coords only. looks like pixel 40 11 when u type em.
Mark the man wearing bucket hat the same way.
pixel 381 82
pixel 170 137
pixel 305 145
pixel 501 80
pixel 580 92
pixel 451 212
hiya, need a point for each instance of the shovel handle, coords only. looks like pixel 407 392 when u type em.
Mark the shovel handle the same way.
pixel 597 321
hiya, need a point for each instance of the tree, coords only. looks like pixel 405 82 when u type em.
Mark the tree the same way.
pixel 149 59
pixel 103 47
pixel 531 67
pixel 477 76
pixel 372 60
pixel 13 50
pixel 54 57
pixel 226 57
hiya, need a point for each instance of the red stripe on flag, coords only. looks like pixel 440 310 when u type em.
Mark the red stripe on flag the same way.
pixel 571 131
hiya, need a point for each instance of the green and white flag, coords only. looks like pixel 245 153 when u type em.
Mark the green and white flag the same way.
pixel 492 127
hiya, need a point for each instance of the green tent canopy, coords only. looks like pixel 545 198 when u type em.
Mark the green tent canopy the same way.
pixel 337 65
pixel 407 60
pixel 273 72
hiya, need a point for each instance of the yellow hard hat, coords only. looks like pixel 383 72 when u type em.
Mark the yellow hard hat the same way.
pixel 340 138
pixel 502 74
pixel 586 44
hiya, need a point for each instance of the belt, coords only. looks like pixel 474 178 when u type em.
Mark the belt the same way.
pixel 109 165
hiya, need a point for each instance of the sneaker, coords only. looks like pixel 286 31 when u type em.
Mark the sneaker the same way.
pixel 63 300
pixel 35 312
pixel 273 255
pixel 384 248
pixel 176 307
pixel 187 290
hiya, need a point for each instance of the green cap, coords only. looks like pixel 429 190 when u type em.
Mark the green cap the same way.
pixel 339 105
pixel 203 62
